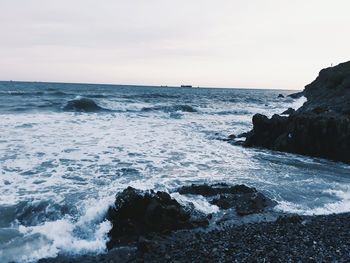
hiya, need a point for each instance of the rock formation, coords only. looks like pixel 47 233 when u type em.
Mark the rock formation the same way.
pixel 136 213
pixel 321 127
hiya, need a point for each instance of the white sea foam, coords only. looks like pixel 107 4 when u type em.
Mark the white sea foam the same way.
pixel 342 205
pixel 297 103
pixel 200 203
pixel 67 236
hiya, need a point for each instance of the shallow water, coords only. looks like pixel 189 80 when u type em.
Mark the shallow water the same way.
pixel 61 167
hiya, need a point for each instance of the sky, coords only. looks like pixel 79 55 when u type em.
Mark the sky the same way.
pixel 223 43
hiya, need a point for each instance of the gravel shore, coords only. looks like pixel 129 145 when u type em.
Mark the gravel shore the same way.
pixel 305 239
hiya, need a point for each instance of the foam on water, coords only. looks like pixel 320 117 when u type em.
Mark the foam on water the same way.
pixel 200 203
pixel 340 206
pixel 296 104
pixel 88 234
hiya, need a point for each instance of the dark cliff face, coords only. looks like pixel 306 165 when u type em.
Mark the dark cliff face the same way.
pixel 330 91
pixel 321 127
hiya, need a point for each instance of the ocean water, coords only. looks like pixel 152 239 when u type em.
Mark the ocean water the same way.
pixel 60 168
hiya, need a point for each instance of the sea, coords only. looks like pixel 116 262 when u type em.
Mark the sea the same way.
pixel 66 150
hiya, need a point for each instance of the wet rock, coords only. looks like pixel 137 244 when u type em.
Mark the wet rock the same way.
pixel 83 105
pixel 280 96
pixel 244 203
pixel 232 137
pixel 296 95
pixel 211 190
pixel 289 111
pixel 245 200
pixel 266 131
pixel 243 135
pixel 311 134
pixel 137 213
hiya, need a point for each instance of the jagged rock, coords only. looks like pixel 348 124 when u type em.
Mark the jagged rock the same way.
pixel 330 90
pixel 280 96
pixel 321 127
pixel 138 213
pixel 309 134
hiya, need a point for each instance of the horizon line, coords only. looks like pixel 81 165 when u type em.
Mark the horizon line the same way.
pixel 147 85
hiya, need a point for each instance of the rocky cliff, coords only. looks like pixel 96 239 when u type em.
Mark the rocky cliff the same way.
pixel 321 127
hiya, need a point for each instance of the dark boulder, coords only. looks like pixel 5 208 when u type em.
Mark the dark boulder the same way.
pixel 266 131
pixel 245 200
pixel 232 137
pixel 83 105
pixel 280 96
pixel 136 213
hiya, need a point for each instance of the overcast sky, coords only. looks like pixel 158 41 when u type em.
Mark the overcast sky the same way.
pixel 222 43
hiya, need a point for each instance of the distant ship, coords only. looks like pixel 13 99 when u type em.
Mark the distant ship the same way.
pixel 186 86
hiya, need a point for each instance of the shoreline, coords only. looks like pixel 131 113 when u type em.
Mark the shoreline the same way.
pixel 321 238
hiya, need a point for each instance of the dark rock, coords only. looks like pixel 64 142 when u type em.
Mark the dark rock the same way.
pixel 83 104
pixel 311 134
pixel 320 128
pixel 243 135
pixel 296 95
pixel 330 90
pixel 232 137
pixel 289 219
pixel 289 111
pixel 244 203
pixel 211 190
pixel 244 199
pixel 236 140
pixel 280 96
pixel 136 213
pixel 266 131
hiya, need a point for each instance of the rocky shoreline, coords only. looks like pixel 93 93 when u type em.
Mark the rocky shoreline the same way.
pixel 151 226
pixel 288 239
